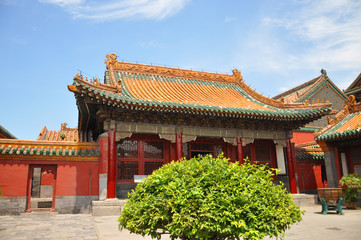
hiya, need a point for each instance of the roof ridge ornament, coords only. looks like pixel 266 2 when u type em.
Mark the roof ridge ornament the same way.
pixel 114 65
pixel 323 72
pixel 237 74
pixel 111 59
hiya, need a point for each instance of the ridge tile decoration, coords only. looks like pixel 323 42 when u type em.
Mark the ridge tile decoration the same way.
pixel 163 89
pixel 346 125
pixel 44 148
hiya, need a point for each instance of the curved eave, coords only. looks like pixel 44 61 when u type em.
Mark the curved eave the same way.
pixel 113 99
pixel 309 156
pixel 340 136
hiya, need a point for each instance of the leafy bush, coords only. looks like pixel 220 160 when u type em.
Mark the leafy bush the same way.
pixel 351 184
pixel 207 198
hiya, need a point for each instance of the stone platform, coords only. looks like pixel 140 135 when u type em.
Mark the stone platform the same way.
pixel 305 199
pixel 107 207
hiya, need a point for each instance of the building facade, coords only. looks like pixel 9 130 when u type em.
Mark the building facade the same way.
pixel 145 116
pixel 138 119
pixel 341 143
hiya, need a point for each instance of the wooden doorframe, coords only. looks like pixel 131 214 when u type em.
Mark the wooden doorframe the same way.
pixel 29 185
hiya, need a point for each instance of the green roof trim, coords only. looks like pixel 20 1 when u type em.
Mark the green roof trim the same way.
pixel 308 129
pixel 57 151
pixel 308 156
pixel 353 90
pixel 331 135
pixel 6 133
pixel 125 99
pixel 316 88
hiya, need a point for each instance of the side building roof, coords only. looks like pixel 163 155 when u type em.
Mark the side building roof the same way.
pixel 5 133
pixel 65 134
pixel 355 88
pixel 309 151
pixel 50 146
pixel 345 127
pixel 304 92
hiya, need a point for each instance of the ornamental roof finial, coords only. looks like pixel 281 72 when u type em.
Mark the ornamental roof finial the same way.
pixel 111 59
pixel 237 74
pixel 323 72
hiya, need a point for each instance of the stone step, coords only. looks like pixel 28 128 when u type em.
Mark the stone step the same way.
pixel 107 207
pixel 305 199
pixel 40 211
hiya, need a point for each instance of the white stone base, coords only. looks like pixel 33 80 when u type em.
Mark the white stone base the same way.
pixel 305 199
pixel 108 207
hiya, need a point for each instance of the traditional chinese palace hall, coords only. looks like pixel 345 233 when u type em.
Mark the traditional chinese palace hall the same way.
pixel 143 116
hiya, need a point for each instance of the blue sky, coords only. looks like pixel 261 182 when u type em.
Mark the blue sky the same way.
pixel 276 44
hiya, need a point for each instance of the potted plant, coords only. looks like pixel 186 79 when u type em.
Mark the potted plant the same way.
pixel 62 136
pixel 351 185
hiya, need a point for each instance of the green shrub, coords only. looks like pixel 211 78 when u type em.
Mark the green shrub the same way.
pixel 351 185
pixel 207 198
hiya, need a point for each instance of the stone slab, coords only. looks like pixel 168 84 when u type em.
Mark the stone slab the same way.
pixel 108 207
pixel 305 199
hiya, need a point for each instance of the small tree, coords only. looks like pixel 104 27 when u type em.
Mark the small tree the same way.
pixel 207 198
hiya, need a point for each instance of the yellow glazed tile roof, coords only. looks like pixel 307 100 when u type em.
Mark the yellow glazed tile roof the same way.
pixel 164 89
pixel 345 126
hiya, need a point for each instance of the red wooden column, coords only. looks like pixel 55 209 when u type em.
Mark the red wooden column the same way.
pixel 111 164
pixel 103 148
pixel 179 146
pixel 338 167
pixel 239 150
pixel 291 167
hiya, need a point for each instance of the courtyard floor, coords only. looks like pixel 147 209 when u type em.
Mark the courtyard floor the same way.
pixel 84 226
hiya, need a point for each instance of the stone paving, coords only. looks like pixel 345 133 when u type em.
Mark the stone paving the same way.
pixel 84 226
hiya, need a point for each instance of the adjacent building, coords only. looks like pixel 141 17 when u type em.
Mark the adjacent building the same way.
pixel 340 141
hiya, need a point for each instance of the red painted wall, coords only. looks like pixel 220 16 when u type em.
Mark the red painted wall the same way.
pixel 302 137
pixel 13 178
pixel 309 176
pixel 72 177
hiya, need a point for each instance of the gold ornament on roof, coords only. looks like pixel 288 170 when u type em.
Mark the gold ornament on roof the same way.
pixel 111 59
pixel 237 74
pixel 352 99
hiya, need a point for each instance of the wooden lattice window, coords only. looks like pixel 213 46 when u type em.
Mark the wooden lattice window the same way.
pixel 128 149
pixel 149 167
pixel 153 150
pixel 140 155
pixel 127 169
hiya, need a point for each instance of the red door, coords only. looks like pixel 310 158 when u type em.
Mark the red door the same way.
pixel 41 187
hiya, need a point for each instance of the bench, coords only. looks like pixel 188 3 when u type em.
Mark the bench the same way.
pixel 331 199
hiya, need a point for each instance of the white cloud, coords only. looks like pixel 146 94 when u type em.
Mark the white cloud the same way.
pixel 310 36
pixel 63 3
pixel 332 31
pixel 117 9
